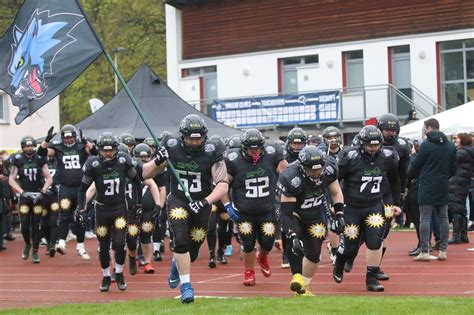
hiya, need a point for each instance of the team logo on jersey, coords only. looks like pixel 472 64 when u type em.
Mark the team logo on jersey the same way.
pixel 24 209
pixel 65 203
pixel 147 226
pixel 224 216
pixel 120 223
pixel 245 228
pixel 122 160
pixel 387 152
pixel 232 156
pixel 95 164
pixel 172 142
pixel 270 149
pixel 401 141
pixel 54 206
pixel 132 230
pixel 209 147
pixel 37 209
pixel 329 170
pixel 317 230
pixel 18 156
pixel 388 211
pixel 101 231
pixel 268 229
pixel 351 231
pixel 296 182
pixel 178 214
pixel 213 208
pixel 374 220
pixel 198 234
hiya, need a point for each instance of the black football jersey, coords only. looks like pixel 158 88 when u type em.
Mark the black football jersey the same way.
pixel 194 169
pixel 290 158
pixel 363 177
pixel 30 173
pixel 70 162
pixel 310 196
pixel 253 187
pixel 110 179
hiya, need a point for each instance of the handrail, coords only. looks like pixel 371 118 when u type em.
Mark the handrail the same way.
pixel 428 99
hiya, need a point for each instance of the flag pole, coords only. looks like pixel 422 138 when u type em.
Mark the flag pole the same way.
pixel 134 102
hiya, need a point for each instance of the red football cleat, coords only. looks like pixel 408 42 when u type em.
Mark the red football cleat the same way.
pixel 249 278
pixel 264 265
pixel 149 268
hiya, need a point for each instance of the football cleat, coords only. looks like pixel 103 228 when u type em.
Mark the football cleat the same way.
pixel 297 284
pixel 149 268
pixel 157 256
pixel 173 278
pixel 382 276
pixel 120 281
pixel 106 281
pixel 26 252
pixel 187 293
pixel 132 265
pixel 264 265
pixel 373 284
pixel 249 278
pixel 34 256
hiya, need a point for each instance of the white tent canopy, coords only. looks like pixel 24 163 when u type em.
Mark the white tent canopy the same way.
pixel 451 122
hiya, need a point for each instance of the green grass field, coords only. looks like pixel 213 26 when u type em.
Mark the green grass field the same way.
pixel 301 305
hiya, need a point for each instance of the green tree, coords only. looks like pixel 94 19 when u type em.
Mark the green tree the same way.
pixel 138 26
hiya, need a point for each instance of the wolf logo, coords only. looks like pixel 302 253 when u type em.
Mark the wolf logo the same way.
pixel 35 48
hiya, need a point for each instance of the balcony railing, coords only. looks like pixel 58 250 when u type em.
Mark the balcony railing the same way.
pixel 361 103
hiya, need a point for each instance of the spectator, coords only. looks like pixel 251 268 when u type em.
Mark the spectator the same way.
pixel 435 163
pixel 459 186
pixel 411 116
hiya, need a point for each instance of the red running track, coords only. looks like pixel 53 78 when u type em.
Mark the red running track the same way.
pixel 69 279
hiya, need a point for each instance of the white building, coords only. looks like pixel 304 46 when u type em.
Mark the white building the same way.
pixel 382 59
pixel 36 125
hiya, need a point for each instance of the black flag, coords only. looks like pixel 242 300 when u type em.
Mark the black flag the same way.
pixel 49 44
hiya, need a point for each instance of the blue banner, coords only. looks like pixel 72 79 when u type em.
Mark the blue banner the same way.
pixel 291 109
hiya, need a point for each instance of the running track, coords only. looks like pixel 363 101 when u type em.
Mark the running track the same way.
pixel 69 279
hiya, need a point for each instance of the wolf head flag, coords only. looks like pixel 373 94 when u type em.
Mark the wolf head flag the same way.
pixel 49 44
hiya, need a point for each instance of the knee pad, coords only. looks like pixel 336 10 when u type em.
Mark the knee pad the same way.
pixel 247 248
pixel 118 247
pixel 181 248
pixel 373 244
pixel 312 258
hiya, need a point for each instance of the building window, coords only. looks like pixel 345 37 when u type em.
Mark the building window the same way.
pixel 457 72
pixel 199 71
pixel 354 71
pixel 289 71
pixel 3 107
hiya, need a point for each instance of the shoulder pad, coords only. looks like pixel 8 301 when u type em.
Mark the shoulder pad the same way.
pixel 172 142
pixel 387 152
pixel 209 147
pixel 352 154
pixel 232 156
pixel 401 141
pixel 295 182
pixel 270 149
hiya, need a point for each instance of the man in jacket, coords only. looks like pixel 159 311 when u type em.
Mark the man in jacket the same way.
pixel 435 163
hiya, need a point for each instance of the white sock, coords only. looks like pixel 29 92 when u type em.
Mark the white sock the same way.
pixel 106 272
pixel 80 246
pixel 156 246
pixel 62 243
pixel 307 281
pixel 118 268
pixel 185 278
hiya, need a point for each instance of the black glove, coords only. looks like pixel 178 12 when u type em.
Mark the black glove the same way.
pixel 196 206
pixel 297 246
pixel 161 156
pixel 339 223
pixel 80 217
pixel 50 135
pixel 156 212
pixel 81 136
pixel 137 212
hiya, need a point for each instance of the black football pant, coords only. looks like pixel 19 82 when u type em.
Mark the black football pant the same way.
pixel 142 229
pixel 189 229
pixel 111 226
pixel 30 218
pixel 220 225
pixel 68 203
pixel 260 228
